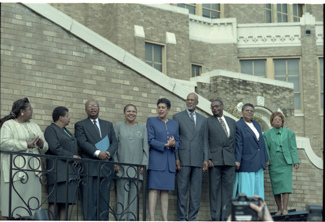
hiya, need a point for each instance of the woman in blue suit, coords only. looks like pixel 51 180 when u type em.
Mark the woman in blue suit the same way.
pixel 251 155
pixel 163 139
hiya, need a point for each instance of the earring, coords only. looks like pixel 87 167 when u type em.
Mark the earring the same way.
pixel 22 114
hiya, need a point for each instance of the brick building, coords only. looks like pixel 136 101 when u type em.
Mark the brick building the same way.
pixel 268 54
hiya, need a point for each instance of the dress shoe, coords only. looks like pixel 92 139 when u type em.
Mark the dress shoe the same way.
pixel 278 213
pixel 285 212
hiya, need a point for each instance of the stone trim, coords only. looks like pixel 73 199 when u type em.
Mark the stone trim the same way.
pixel 303 143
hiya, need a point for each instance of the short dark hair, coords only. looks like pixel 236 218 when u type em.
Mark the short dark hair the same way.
pixel 164 100
pixel 91 100
pixel 273 115
pixel 59 111
pixel 217 100
pixel 125 107
pixel 247 104
pixel 15 110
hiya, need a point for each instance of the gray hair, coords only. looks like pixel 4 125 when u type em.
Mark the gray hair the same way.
pixel 91 100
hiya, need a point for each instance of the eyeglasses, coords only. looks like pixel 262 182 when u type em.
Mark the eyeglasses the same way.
pixel 90 106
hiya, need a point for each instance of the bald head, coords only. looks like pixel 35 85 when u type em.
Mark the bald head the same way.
pixel 191 101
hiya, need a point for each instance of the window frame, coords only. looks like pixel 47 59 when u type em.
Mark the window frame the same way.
pixel 199 8
pixel 163 55
pixel 300 79
pixel 212 10
pixel 200 69
pixel 254 59
pixel 274 18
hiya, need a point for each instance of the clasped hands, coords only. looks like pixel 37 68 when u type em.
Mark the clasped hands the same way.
pixel 104 155
pixel 171 142
pixel 36 141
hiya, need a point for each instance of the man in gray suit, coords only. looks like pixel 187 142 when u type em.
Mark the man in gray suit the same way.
pixel 191 158
pixel 222 144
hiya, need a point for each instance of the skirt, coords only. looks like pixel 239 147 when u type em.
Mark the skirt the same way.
pixel 30 192
pixel 61 192
pixel 161 180
pixel 280 175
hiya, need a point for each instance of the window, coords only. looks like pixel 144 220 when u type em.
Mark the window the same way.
pixel 189 6
pixel 154 56
pixel 321 72
pixel 253 67
pixel 288 70
pixel 196 70
pixel 211 11
pixel 268 13
pixel 297 12
pixel 283 12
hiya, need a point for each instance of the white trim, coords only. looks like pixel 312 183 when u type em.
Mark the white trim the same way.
pixel 171 8
pixel 299 114
pixel 303 143
pixel 139 31
pixel 170 38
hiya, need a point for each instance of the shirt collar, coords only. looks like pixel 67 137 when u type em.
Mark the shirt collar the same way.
pixel 92 120
pixel 189 113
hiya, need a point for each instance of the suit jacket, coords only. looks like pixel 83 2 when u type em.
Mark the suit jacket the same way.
pixel 87 136
pixel 250 152
pixel 193 148
pixel 289 146
pixel 62 145
pixel 159 155
pixel 221 148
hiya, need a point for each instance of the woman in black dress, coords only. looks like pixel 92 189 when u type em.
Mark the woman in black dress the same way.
pixel 61 143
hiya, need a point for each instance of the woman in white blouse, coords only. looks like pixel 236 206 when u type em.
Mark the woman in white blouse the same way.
pixel 19 134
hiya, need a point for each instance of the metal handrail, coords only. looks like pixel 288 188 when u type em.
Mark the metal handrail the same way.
pixel 77 169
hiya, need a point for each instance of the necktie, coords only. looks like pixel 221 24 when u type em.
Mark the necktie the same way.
pixel 192 119
pixel 223 126
pixel 95 124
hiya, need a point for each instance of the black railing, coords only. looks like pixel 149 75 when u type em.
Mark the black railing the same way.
pixel 77 178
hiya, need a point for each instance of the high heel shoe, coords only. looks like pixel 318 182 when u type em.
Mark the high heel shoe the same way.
pixel 278 213
pixel 285 212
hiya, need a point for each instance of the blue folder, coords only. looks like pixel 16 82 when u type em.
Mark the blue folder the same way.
pixel 103 145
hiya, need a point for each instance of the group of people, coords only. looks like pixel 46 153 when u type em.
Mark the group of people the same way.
pixel 235 154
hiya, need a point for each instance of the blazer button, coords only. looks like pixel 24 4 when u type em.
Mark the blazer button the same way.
pixel 258 149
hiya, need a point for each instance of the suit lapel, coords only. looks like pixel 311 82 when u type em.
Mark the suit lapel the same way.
pixel 284 134
pixel 103 127
pixel 188 122
pixel 198 123
pixel 217 124
pixel 248 129
pixel 92 129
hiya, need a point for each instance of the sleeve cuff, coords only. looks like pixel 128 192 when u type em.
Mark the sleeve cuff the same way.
pixel 96 153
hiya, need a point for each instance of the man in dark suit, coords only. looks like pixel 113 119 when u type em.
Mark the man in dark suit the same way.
pixel 191 158
pixel 89 132
pixel 222 145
